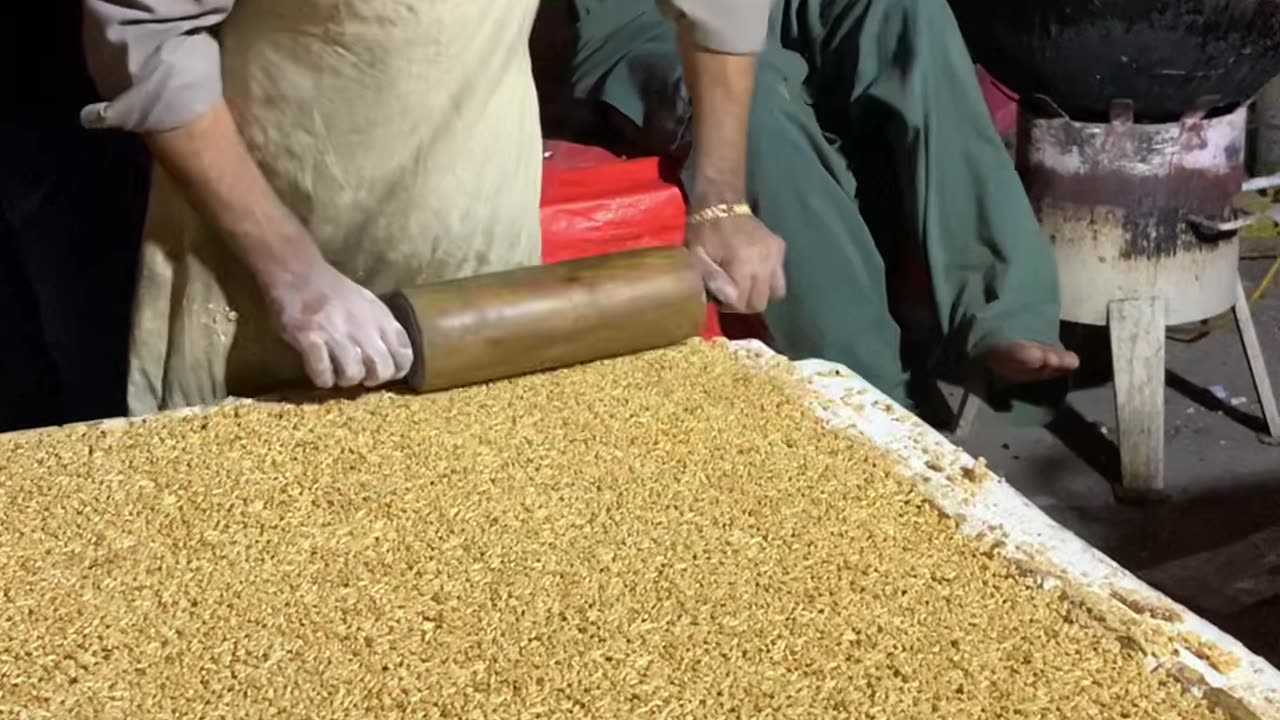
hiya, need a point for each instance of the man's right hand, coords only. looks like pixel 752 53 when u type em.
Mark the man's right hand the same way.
pixel 345 335
pixel 741 262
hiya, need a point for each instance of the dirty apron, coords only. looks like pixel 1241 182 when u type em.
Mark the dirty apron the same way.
pixel 403 133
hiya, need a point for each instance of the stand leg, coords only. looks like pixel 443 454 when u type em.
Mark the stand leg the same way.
pixel 1137 357
pixel 1257 367
pixel 966 415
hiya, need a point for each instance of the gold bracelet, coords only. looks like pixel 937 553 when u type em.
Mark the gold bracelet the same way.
pixel 720 212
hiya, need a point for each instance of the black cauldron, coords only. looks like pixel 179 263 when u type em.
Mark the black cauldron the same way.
pixel 1167 56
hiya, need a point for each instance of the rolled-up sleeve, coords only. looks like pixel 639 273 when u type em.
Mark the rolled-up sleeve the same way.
pixel 738 27
pixel 155 62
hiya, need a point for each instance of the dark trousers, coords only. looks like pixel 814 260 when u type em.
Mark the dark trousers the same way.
pixel 72 203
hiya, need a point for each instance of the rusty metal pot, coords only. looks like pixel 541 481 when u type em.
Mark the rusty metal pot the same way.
pixel 1164 55
pixel 1118 200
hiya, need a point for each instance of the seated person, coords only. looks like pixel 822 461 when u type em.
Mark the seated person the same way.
pixel 867 114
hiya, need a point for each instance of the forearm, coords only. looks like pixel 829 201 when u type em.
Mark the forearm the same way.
pixel 210 161
pixel 158 65
pixel 741 260
pixel 721 86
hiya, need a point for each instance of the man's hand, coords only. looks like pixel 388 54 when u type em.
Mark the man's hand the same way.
pixel 741 259
pixel 345 335
pixel 741 262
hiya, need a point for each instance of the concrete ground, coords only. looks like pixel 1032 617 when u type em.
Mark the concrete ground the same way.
pixel 1215 545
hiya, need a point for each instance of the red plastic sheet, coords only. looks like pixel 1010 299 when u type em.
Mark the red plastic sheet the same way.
pixel 1002 103
pixel 594 204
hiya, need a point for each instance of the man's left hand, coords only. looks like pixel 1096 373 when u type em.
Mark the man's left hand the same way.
pixel 741 262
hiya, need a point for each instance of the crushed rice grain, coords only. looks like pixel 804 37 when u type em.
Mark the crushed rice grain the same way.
pixel 663 535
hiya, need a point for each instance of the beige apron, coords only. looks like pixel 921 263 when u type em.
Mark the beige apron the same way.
pixel 404 134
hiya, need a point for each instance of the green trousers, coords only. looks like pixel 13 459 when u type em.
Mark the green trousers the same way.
pixel 867 116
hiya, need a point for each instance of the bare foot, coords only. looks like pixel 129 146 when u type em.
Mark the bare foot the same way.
pixel 1024 361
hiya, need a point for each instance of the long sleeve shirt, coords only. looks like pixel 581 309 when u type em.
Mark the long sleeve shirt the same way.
pixel 158 64
pixel 729 26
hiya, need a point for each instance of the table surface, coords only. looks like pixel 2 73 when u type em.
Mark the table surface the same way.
pixel 986 506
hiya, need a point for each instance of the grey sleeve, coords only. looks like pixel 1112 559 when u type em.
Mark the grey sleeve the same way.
pixel 738 27
pixel 156 62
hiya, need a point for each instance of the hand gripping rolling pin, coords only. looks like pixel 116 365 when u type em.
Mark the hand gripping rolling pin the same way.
pixel 516 322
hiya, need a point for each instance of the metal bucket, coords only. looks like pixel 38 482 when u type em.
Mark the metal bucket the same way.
pixel 1118 200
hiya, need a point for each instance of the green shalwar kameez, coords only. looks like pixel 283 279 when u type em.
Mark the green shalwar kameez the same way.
pixel 859 104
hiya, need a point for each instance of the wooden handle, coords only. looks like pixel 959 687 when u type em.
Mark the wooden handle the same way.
pixel 522 321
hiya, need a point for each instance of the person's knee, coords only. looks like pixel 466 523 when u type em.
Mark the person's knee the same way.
pixel 907 31
pixel 919 12
pixel 933 23
pixel 779 111
pixel 767 119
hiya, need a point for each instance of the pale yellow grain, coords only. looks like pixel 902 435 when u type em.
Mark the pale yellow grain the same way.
pixel 666 535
